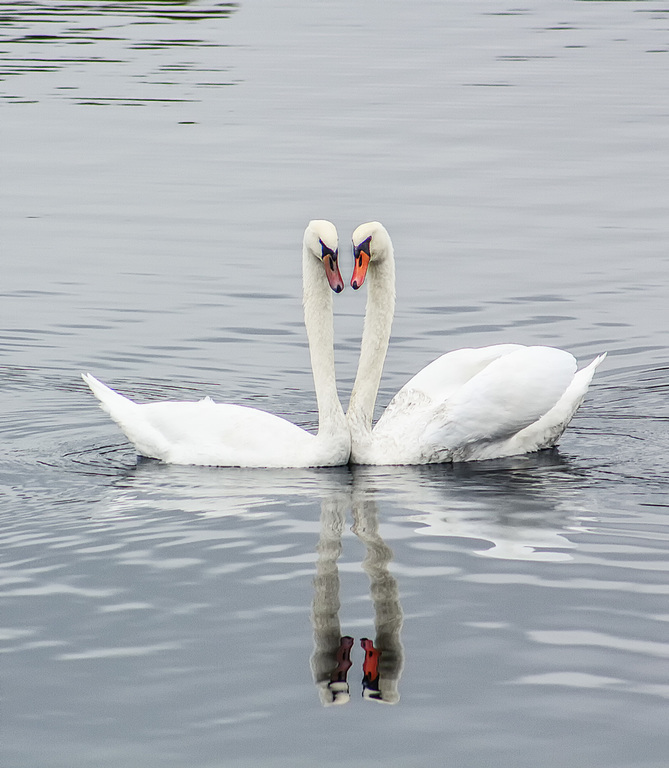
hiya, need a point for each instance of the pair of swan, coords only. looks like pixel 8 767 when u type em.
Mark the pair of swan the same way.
pixel 467 405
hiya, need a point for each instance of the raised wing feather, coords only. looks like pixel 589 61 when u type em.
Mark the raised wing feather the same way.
pixel 435 384
pixel 508 395
pixel 447 374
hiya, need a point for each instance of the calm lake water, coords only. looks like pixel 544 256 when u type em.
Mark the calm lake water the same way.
pixel 159 163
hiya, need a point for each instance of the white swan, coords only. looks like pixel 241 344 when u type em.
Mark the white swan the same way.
pixel 467 405
pixel 208 433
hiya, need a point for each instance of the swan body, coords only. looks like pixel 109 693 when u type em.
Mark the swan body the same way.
pixel 467 405
pixel 221 434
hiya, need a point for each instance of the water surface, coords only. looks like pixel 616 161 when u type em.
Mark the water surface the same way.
pixel 160 161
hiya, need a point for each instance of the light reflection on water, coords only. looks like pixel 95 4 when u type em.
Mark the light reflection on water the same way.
pixel 70 39
pixel 159 615
pixel 175 573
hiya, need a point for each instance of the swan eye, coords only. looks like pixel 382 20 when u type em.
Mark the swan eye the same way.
pixel 364 248
pixel 328 253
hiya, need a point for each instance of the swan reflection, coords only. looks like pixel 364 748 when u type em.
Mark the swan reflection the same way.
pixel 520 508
pixel 524 508
pixel 384 656
pixel 252 529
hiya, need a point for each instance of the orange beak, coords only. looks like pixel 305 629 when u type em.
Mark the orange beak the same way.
pixel 361 259
pixel 332 273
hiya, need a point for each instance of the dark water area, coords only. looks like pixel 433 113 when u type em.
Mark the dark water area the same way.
pixel 159 162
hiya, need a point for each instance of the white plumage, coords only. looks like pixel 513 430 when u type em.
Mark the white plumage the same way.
pixel 209 433
pixel 469 404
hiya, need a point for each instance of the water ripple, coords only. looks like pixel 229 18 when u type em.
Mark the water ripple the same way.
pixel 590 681
pixel 41 40
pixel 598 639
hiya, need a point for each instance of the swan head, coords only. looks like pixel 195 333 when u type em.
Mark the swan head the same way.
pixel 371 243
pixel 320 238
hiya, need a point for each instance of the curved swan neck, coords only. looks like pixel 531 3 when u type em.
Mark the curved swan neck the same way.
pixel 318 319
pixel 375 338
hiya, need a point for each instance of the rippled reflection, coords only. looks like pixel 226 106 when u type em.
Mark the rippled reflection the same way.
pixel 384 656
pixel 522 509
pixel 182 10
pixel 525 517
pixel 72 50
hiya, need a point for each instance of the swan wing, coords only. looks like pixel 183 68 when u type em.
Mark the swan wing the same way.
pixel 507 396
pixel 447 374
pixel 436 384
pixel 222 434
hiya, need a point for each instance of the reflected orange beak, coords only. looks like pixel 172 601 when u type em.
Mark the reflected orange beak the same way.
pixel 361 258
pixel 333 274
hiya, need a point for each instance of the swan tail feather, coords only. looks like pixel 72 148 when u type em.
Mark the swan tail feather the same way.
pixel 110 401
pixel 569 403
pixel 132 418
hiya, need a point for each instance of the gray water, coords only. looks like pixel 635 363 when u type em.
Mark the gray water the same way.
pixel 159 163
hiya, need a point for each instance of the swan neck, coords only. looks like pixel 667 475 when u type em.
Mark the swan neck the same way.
pixel 375 338
pixel 319 322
